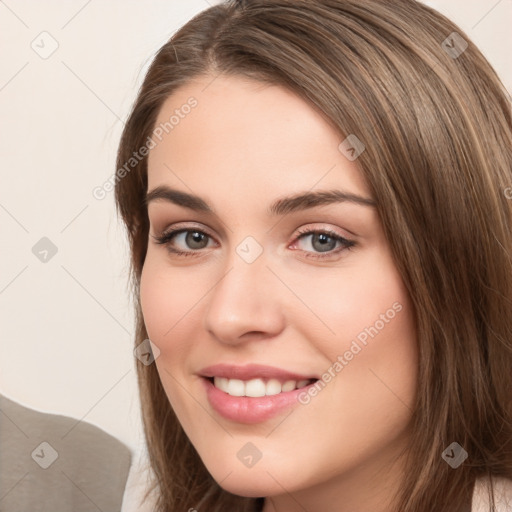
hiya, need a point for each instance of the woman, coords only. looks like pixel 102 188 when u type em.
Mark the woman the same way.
pixel 315 194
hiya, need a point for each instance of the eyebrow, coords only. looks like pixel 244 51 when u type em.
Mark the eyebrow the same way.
pixel 282 206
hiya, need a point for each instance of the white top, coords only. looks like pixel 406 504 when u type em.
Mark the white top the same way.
pixel 139 474
pixel 502 495
pixel 136 485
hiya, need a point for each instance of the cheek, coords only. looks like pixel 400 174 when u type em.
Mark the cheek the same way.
pixel 362 302
pixel 380 359
pixel 166 307
pixel 372 346
pixel 155 301
pixel 166 300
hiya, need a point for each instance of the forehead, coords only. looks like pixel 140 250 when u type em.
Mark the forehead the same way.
pixel 233 133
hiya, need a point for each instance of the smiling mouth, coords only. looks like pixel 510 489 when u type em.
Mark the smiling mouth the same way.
pixel 257 388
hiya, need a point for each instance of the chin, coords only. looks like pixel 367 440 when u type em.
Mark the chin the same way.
pixel 249 487
pixel 252 482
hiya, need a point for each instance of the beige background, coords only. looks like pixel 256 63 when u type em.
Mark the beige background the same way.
pixel 66 325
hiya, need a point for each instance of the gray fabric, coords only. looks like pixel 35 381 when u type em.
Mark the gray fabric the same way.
pixel 86 468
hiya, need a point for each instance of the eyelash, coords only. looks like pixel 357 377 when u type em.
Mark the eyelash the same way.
pixel 165 238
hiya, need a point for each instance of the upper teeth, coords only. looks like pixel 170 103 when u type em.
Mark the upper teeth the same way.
pixel 256 387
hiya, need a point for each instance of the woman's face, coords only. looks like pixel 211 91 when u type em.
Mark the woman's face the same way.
pixel 260 305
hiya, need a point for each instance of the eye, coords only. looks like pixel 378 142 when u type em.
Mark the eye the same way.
pixel 323 242
pixel 195 239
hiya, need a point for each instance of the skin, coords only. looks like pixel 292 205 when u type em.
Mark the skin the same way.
pixel 245 145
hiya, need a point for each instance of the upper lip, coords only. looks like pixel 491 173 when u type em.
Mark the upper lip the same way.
pixel 252 371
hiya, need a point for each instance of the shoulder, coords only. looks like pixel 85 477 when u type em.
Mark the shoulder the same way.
pixel 80 462
pixel 79 440
pixel 502 490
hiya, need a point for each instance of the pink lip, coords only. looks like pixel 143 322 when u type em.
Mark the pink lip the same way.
pixel 252 371
pixel 246 409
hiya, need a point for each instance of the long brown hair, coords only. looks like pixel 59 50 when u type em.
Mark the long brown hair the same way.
pixel 437 128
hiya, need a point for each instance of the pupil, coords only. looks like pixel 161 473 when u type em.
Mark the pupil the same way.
pixel 195 237
pixel 323 239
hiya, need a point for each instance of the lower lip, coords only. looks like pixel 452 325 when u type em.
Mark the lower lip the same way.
pixel 246 409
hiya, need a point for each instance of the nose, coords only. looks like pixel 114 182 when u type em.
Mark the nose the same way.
pixel 246 303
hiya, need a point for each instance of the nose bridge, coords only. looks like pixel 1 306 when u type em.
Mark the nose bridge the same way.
pixel 246 298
